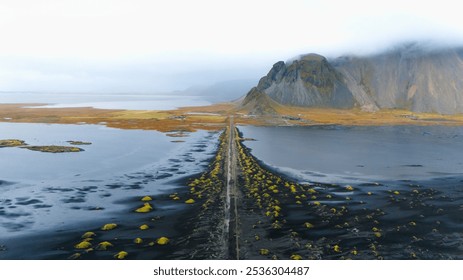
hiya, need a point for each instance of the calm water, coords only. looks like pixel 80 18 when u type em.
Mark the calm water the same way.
pixel 104 101
pixel 406 196
pixel 337 154
pixel 40 191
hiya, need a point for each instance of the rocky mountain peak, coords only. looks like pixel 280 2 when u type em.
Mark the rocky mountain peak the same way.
pixel 308 81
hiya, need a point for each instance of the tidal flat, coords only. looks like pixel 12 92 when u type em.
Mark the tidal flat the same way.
pixel 389 192
pixel 293 192
pixel 48 197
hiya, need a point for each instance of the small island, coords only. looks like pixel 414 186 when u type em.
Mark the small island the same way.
pixel 78 143
pixel 11 143
pixel 54 149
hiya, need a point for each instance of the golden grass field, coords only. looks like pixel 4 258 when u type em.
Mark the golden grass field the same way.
pixel 215 117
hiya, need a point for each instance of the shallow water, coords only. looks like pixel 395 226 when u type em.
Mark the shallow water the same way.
pixel 335 154
pixel 104 101
pixel 405 194
pixel 40 191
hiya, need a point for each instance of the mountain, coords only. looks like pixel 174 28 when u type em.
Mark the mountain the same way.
pixel 311 81
pixel 410 77
pixel 258 102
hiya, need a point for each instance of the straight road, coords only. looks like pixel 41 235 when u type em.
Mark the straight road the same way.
pixel 232 228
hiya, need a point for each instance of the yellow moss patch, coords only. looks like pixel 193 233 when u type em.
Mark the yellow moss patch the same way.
pixel 190 201
pixel 308 225
pixel 145 208
pixel 83 245
pixel 109 226
pixel 264 252
pixel 396 192
pixel 293 189
pixel 121 255
pixel 162 241
pixel 349 188
pixel 146 198
pixel 378 234
pixel 103 246
pixel 295 257
pixel 138 240
pixel 336 248
pixel 144 227
pixel 88 234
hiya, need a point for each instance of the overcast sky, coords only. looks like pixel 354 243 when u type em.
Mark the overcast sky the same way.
pixel 152 46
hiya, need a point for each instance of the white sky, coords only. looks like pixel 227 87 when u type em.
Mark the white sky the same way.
pixel 148 45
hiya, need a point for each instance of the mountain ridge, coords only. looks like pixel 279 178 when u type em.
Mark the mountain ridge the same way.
pixel 409 77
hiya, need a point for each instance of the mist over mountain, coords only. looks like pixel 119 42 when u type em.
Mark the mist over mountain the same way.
pixel 412 77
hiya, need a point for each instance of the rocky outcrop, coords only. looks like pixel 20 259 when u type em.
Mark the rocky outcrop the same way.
pixel 257 102
pixel 310 81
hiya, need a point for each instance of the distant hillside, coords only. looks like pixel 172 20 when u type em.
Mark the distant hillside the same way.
pixel 221 92
pixel 408 77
